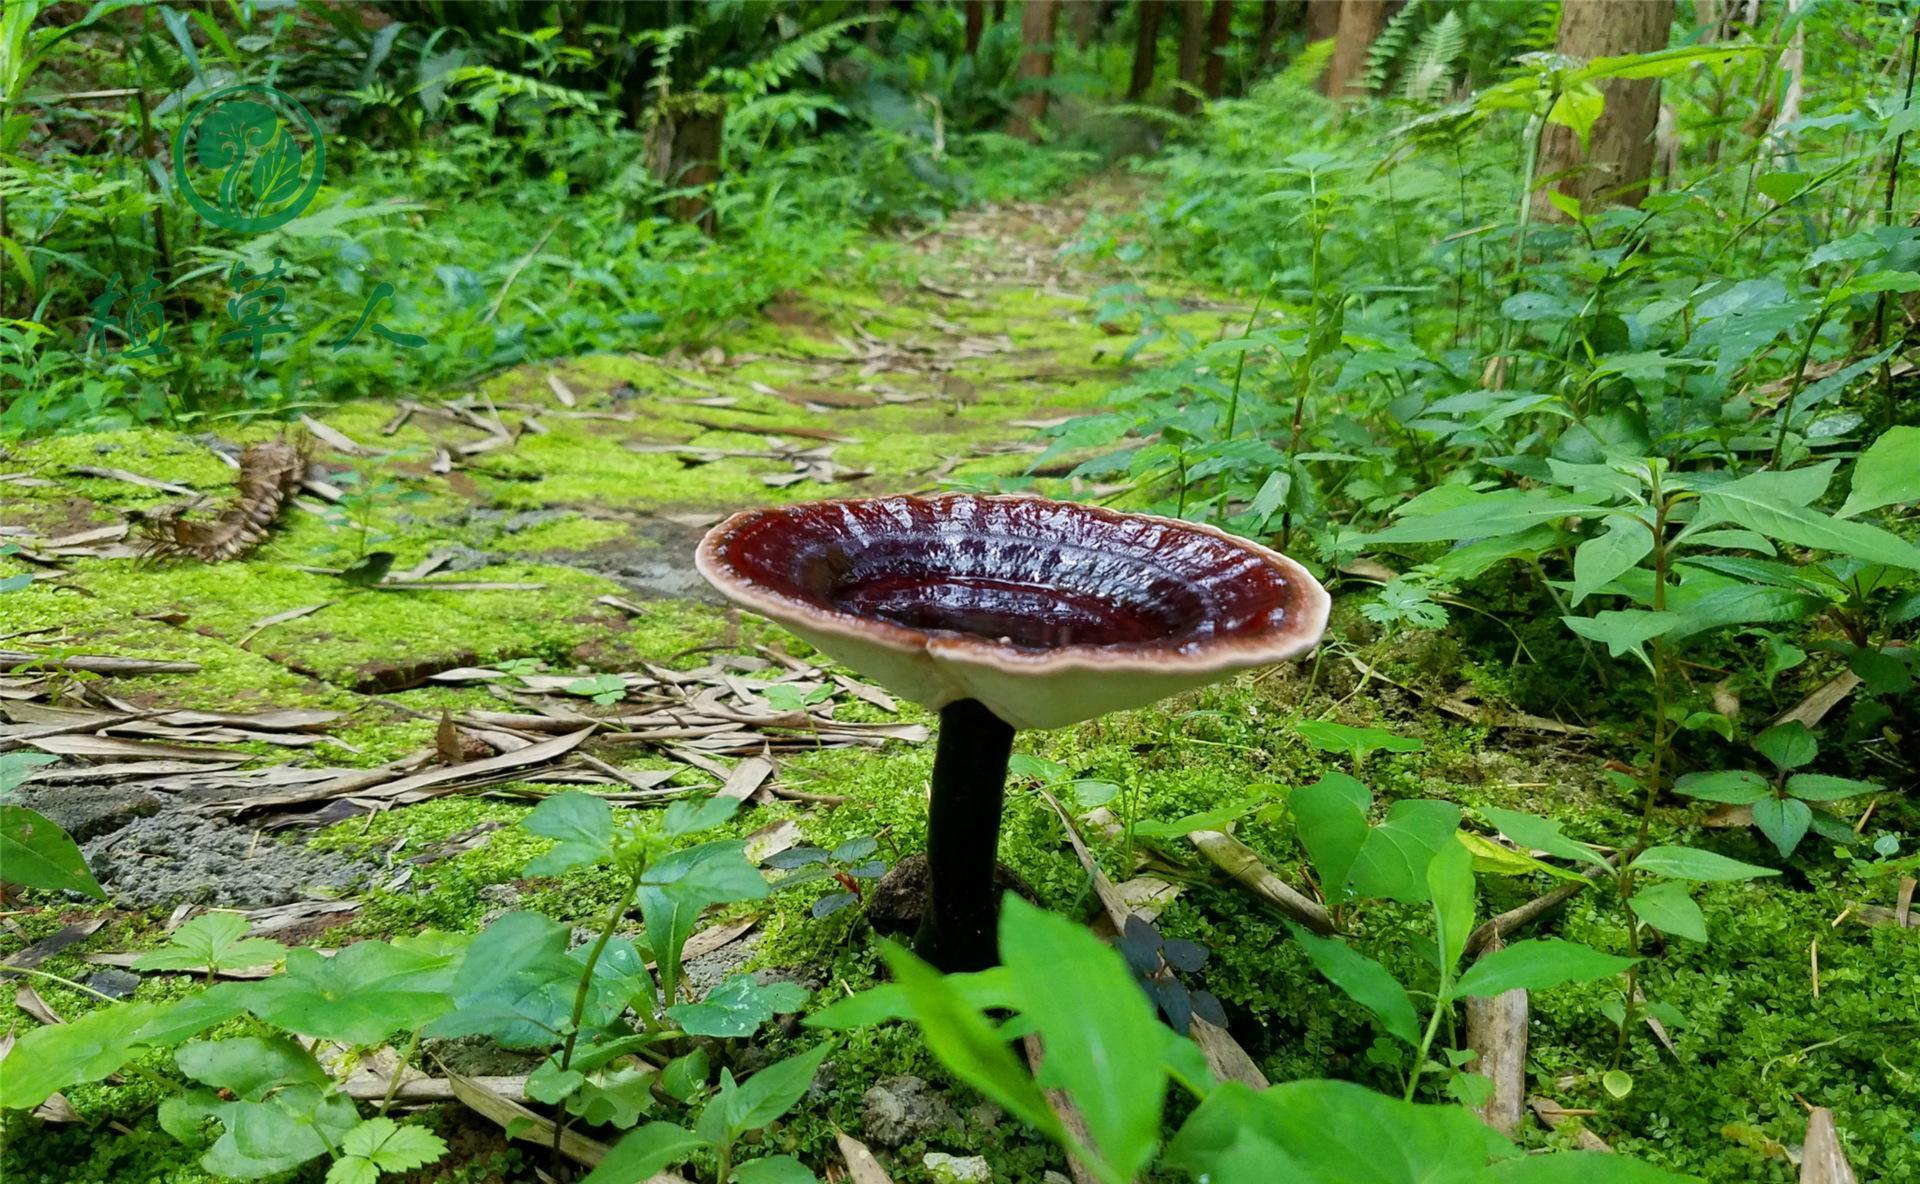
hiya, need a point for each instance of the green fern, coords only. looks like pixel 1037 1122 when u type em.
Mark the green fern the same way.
pixel 759 77
pixel 1542 29
pixel 1391 42
pixel 1431 67
pixel 1307 67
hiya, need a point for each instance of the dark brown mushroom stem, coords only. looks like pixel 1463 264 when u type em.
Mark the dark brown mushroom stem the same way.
pixel 957 931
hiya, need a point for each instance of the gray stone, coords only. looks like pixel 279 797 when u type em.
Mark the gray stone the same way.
pixel 958 1169
pixel 114 984
pixel 178 858
pixel 900 1110
pixel 88 811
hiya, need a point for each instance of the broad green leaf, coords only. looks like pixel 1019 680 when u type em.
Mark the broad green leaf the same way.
pixel 1623 631
pixel 1599 561
pixel 1788 746
pixel 1540 835
pixel 680 886
pixel 773 1090
pixel 296 1124
pixel 1331 816
pixel 516 984
pixel 1483 515
pixel 361 995
pixel 643 1153
pixel 1687 863
pixel 1804 527
pixel 352 1169
pixel 1667 907
pixel 1784 820
pixel 774 1169
pixel 1738 786
pixel 550 1083
pixel 249 1067
pixel 1577 108
pixel 984 990
pixel 684 818
pixel 960 1036
pixel 36 853
pixel 1393 860
pixel 188 1017
pixel 737 1007
pixel 1887 473
pixel 85 1049
pixel 1364 981
pixel 1660 63
pixel 581 822
pixel 1082 1000
pixel 1330 1132
pixel 1356 743
pixel 1819 787
pixel 1450 887
pixel 16 767
pixel 212 941
pixel 1536 965
pixel 614 1096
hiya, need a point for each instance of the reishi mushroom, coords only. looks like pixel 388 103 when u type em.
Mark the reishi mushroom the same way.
pixel 1009 612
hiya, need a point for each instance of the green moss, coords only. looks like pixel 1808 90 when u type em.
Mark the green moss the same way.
pixel 572 533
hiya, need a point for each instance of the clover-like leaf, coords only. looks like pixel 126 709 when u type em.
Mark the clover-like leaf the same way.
pixel 212 942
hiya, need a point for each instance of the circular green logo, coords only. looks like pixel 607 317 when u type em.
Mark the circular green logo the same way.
pixel 251 175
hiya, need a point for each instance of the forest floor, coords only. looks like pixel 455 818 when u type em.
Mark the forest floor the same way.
pixel 542 527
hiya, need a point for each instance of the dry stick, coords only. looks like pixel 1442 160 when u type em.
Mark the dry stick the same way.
pixel 1525 914
pixel 1241 863
pixel 1497 1032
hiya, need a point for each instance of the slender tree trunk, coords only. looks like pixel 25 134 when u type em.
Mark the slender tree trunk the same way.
pixel 1270 22
pixel 1146 48
pixel 1083 17
pixel 976 23
pixel 1219 35
pixel 1618 158
pixel 1193 56
pixel 1039 19
pixel 1323 19
pixel 1360 22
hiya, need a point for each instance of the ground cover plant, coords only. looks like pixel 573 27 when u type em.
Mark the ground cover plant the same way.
pixel 385 796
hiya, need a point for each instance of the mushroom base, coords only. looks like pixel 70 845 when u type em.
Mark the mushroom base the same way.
pixel 957 932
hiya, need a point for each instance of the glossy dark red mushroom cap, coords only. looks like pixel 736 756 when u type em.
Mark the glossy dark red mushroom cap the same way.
pixel 1047 612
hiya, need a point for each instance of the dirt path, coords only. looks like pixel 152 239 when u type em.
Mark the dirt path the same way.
pixel 566 497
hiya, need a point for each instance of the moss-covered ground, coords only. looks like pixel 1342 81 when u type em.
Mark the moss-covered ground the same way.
pixel 923 381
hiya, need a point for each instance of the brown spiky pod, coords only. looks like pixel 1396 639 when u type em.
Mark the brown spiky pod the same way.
pixel 269 474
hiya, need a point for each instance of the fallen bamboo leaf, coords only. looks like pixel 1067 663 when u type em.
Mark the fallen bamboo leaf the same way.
pixel 1554 1115
pixel 133 479
pixel 771 839
pixel 93 664
pixel 265 623
pixel 561 391
pixel 107 746
pixel 1243 865
pixel 332 437
pixel 862 1167
pixel 28 1000
pixel 520 1122
pixel 422 786
pixel 1812 709
pixel 53 943
pixel 747 777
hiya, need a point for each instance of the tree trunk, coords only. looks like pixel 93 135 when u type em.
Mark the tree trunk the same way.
pixel 1323 19
pixel 1360 22
pixel 683 150
pixel 1193 56
pixel 976 23
pixel 1146 48
pixel 1083 17
pixel 1270 21
pixel 1619 155
pixel 1219 34
pixel 1038 21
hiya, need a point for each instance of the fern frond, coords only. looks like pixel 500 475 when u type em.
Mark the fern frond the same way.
pixel 1387 47
pixel 1431 67
pixel 1304 70
pixel 761 76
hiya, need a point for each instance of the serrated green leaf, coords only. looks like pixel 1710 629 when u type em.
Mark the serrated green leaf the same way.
pixel 581 822
pixel 1788 746
pixel 1784 820
pixel 1739 787
pixel 1819 787
pixel 212 941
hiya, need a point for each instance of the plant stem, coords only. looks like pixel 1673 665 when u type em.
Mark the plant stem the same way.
pixel 65 982
pixel 1318 229
pixel 963 834
pixel 1799 378
pixel 612 922
pixel 1886 219
pixel 1426 1043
